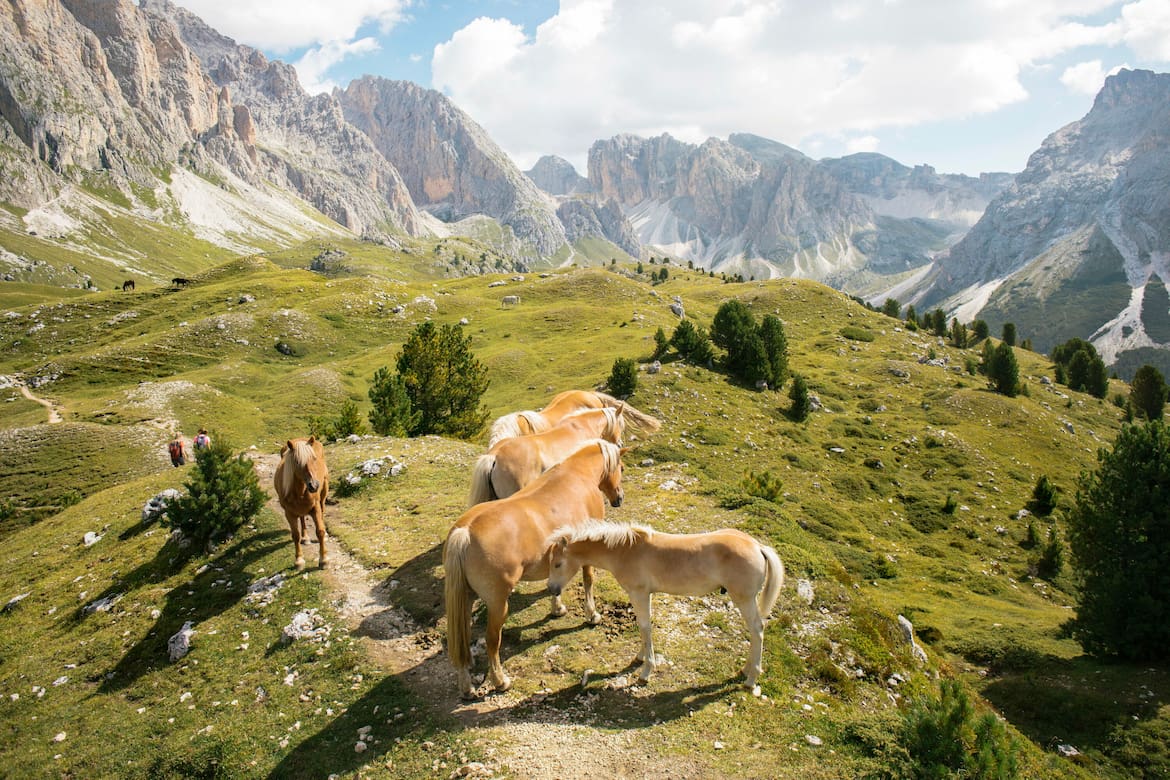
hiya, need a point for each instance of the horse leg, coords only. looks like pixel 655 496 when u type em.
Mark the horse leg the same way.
pixel 591 613
pixel 296 528
pixel 755 626
pixel 497 606
pixel 640 601
pixel 319 522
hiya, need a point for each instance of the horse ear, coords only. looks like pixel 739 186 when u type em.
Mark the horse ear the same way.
pixel 287 446
pixel 312 439
pixel 624 450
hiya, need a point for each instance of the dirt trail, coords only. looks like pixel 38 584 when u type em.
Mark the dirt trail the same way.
pixel 54 413
pixel 544 745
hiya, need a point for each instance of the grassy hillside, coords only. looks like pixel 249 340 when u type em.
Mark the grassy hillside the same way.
pixel 900 496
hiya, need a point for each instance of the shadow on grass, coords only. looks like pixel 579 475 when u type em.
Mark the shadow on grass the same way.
pixel 1079 701
pixel 196 601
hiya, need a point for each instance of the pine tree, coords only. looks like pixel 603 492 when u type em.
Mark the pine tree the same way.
pixel 801 403
pixel 444 381
pixel 1119 537
pixel 891 308
pixel 661 344
pixel 1148 392
pixel 776 350
pixel 623 378
pixel 222 494
pixel 1004 372
pixel 392 414
pixel 734 330
pixel 692 343
pixel 1043 496
pixel 1009 334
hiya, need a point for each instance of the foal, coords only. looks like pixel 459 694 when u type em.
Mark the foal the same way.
pixel 644 561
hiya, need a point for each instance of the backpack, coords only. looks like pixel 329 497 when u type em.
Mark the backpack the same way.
pixel 202 441
pixel 175 448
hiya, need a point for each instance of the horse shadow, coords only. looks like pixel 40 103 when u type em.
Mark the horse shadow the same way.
pixel 196 601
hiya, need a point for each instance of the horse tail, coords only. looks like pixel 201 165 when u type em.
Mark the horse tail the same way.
pixel 458 598
pixel 481 480
pixel 773 581
pixel 638 419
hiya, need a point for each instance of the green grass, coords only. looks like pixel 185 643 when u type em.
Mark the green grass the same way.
pixel 855 502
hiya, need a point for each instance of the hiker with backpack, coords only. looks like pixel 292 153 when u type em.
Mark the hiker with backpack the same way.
pixel 202 440
pixel 178 451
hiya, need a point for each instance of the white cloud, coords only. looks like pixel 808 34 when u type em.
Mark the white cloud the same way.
pixel 1147 28
pixel 284 25
pixel 314 64
pixel 1086 77
pixel 795 72
pixel 865 143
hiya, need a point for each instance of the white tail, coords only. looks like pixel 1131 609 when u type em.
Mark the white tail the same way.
pixel 773 581
pixel 481 481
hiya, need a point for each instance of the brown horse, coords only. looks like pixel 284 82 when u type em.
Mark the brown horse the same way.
pixel 644 561
pixel 514 462
pixel 562 404
pixel 302 483
pixel 497 544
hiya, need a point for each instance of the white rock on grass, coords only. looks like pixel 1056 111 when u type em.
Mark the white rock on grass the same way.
pixel 180 644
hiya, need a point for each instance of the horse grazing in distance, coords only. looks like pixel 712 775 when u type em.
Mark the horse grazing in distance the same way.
pixel 495 545
pixel 563 404
pixel 514 462
pixel 302 484
pixel 127 285
pixel 644 561
pixel 179 281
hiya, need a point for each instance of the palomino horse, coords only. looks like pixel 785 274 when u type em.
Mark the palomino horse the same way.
pixel 497 544
pixel 562 404
pixel 302 483
pixel 644 561
pixel 514 462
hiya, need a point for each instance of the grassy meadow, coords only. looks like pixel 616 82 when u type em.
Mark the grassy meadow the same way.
pixel 901 495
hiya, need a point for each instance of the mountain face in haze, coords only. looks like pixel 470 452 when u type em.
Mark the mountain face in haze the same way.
pixel 452 168
pixel 1079 245
pixel 557 176
pixel 138 97
pixel 754 206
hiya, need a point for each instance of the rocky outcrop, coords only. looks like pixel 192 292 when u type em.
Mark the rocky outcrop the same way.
pixel 585 218
pixel 299 142
pixel 557 176
pixel 1082 230
pixel 450 165
pixel 126 90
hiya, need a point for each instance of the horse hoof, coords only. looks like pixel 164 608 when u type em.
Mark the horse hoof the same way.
pixel 755 690
pixel 558 611
pixel 323 564
pixel 502 684
pixel 595 619
pixel 300 564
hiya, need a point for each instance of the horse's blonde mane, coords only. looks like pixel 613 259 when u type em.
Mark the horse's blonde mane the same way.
pixel 300 456
pixel 302 453
pixel 508 426
pixel 607 532
pixel 614 421
pixel 612 454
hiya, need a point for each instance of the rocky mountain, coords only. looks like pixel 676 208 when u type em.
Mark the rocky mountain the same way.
pixel 187 128
pixel 1079 244
pixel 557 176
pixel 754 206
pixel 452 168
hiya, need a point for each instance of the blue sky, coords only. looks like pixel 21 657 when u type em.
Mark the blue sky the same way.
pixel 965 85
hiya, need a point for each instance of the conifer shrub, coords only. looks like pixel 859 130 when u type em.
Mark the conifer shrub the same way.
pixel 1051 561
pixel 348 421
pixel 1148 393
pixel 1119 543
pixel 763 484
pixel 1044 496
pixel 801 403
pixel 623 378
pixel 944 737
pixel 391 414
pixel 222 494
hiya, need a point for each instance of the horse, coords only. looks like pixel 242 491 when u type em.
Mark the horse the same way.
pixel 644 561
pixel 302 483
pixel 514 462
pixel 179 281
pixel 127 285
pixel 495 545
pixel 562 404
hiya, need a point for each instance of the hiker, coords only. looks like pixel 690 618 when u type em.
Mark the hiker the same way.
pixel 202 440
pixel 178 451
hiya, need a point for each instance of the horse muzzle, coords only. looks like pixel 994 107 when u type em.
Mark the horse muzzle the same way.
pixel 554 589
pixel 313 485
pixel 617 500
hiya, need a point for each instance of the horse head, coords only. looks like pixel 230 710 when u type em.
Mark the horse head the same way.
pixel 304 456
pixel 611 474
pixel 561 567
